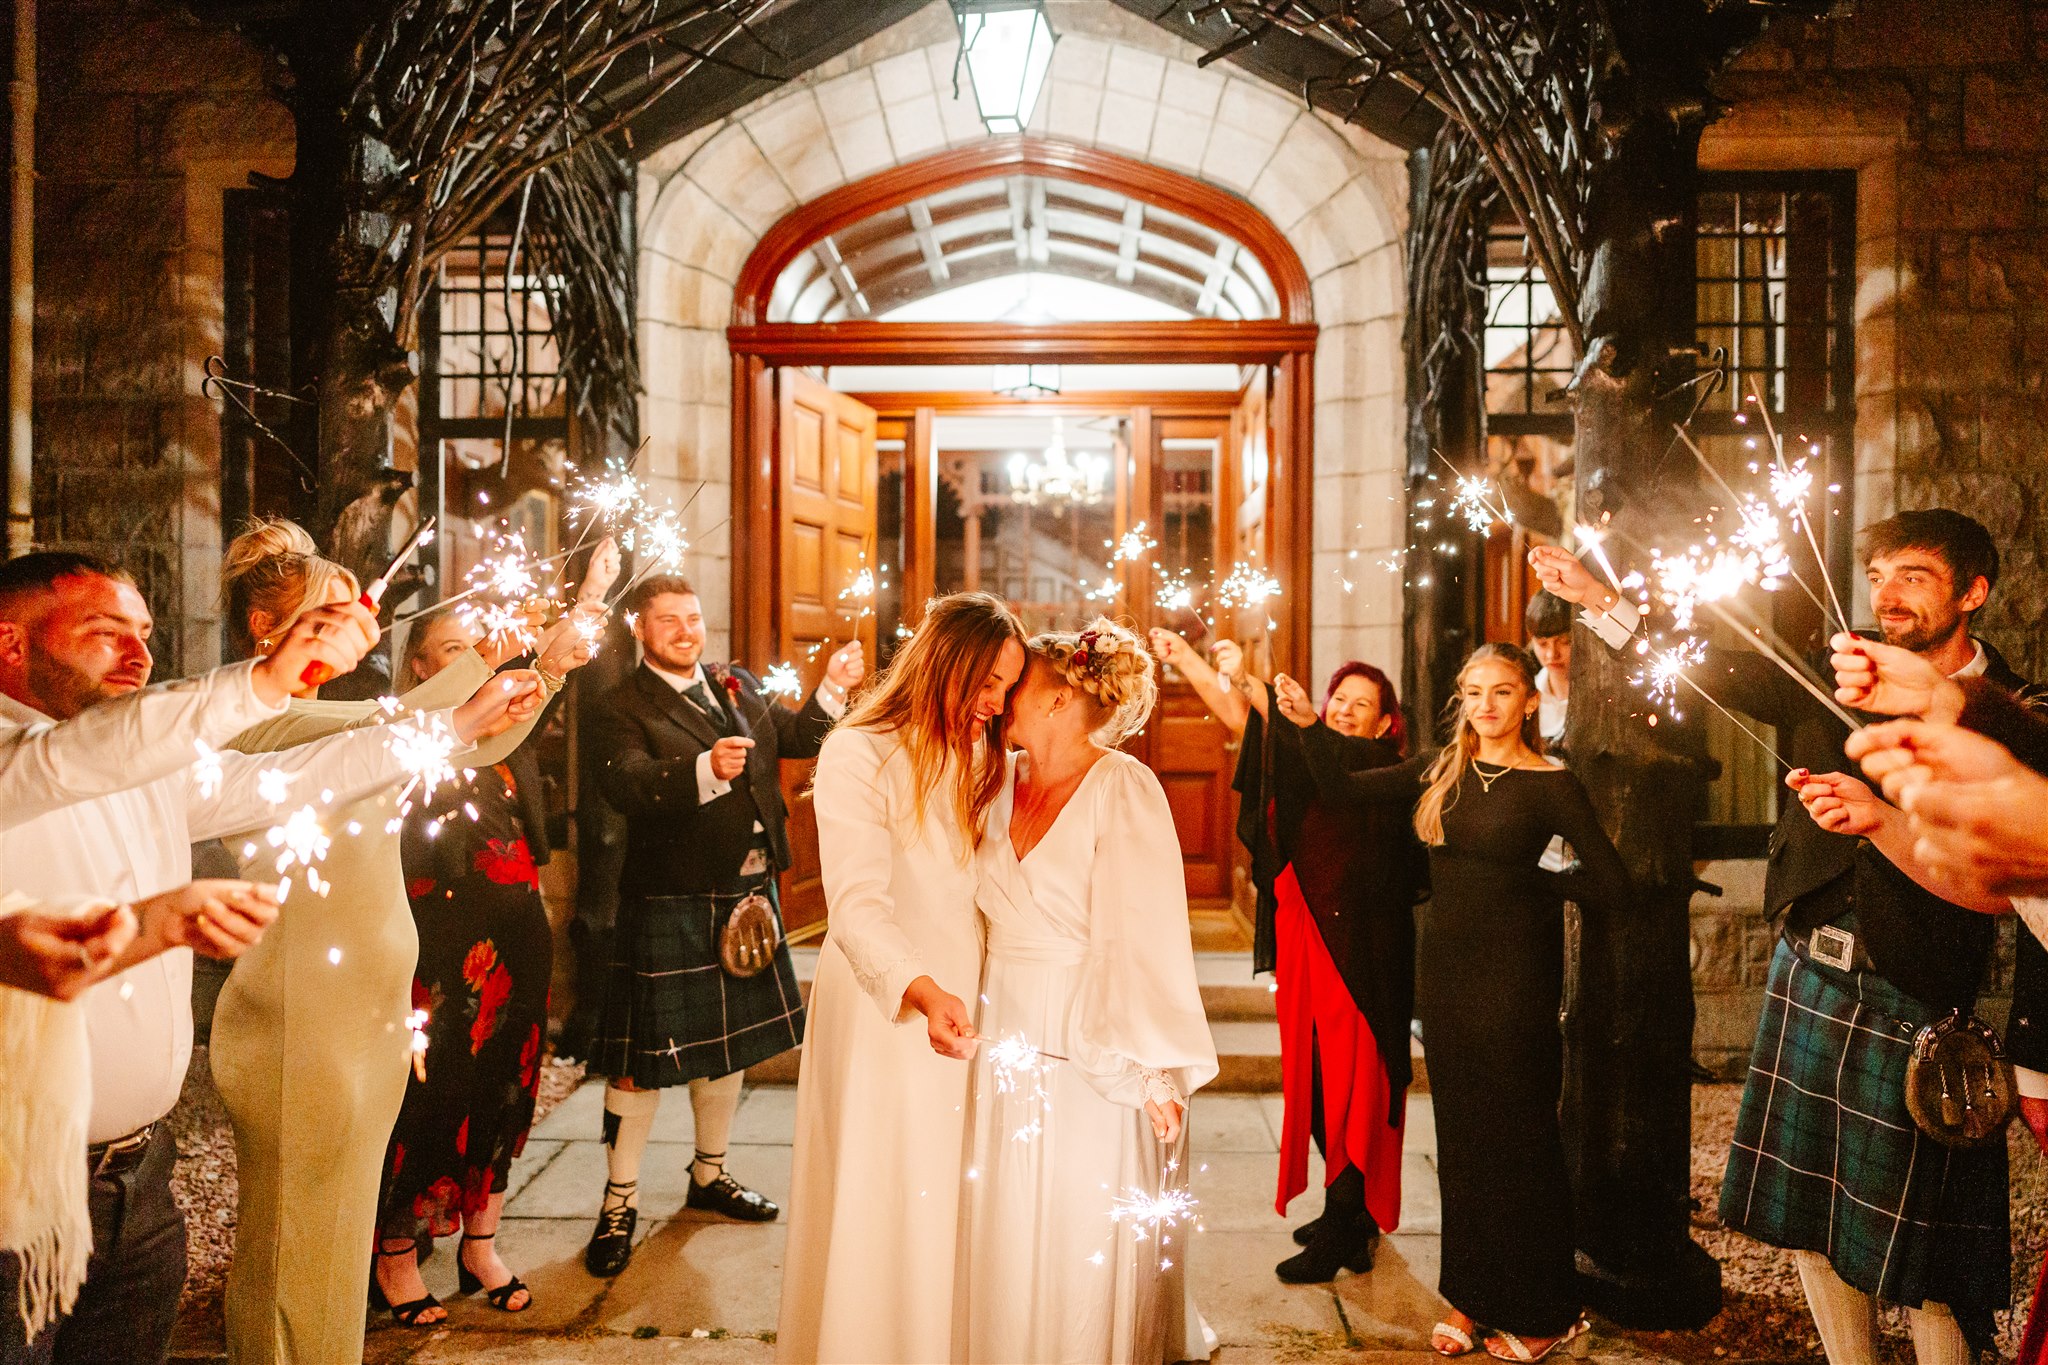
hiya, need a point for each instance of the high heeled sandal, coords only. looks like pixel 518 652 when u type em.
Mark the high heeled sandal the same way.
pixel 404 1314
pixel 1519 1352
pixel 1455 1335
pixel 499 1298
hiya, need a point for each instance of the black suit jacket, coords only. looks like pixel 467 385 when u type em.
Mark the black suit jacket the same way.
pixel 1932 950
pixel 649 737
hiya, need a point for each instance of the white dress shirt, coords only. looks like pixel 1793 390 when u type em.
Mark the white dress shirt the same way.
pixel 831 699
pixel 135 842
pixel 1550 709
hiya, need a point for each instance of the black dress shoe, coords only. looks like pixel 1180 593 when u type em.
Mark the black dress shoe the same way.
pixel 611 1246
pixel 1345 1244
pixel 728 1197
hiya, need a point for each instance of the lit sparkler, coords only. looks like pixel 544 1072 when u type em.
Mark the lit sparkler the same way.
pixel 1246 586
pixel 781 681
pixel 301 841
pixel 206 773
pixel 1176 593
pixel 1152 1215
pixel 1132 545
pixel 416 1021
pixel 1592 537
pixel 423 745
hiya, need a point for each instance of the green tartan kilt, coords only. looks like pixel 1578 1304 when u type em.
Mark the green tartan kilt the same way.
pixel 671 1013
pixel 1826 1157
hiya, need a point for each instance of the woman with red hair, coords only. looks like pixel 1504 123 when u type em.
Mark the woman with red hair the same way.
pixel 1337 886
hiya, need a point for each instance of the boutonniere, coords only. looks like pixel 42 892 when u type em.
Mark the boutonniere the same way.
pixel 726 679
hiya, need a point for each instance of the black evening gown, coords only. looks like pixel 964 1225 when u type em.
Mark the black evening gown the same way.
pixel 1489 988
pixel 486 955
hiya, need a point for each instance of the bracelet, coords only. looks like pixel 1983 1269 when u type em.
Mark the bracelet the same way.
pixel 553 682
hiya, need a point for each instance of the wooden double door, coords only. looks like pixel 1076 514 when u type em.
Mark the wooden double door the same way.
pixel 878 511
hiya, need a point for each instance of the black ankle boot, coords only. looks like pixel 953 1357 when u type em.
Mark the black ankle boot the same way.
pixel 1345 1244
pixel 1306 1233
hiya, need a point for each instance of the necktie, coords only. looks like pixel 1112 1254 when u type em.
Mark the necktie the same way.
pixel 700 692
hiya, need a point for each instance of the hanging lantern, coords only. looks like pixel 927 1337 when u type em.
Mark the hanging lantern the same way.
pixel 1007 46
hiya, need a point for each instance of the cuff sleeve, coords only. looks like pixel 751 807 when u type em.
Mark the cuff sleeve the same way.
pixel 709 788
pixel 831 699
pixel 2032 1085
pixel 1615 625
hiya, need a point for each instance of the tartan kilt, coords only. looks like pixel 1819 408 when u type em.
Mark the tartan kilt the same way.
pixel 671 1013
pixel 1827 1159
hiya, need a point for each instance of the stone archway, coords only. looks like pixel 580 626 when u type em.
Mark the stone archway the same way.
pixel 1335 193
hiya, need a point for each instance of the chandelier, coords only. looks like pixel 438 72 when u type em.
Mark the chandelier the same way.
pixel 1026 381
pixel 1056 477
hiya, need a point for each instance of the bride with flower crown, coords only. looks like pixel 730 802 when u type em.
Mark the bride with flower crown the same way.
pixel 1074 1217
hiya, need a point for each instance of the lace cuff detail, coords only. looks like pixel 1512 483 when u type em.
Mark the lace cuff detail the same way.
pixel 884 982
pixel 1160 1089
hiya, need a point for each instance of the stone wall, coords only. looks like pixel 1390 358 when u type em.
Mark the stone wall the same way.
pixel 146 117
pixel 1941 106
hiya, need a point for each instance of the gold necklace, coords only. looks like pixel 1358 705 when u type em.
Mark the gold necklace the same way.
pixel 1485 781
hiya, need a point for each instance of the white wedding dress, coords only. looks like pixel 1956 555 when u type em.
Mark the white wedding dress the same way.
pixel 875 1188
pixel 1089 959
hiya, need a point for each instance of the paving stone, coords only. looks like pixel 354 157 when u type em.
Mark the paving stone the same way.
pixel 1228 1123
pixel 692 1275
pixel 1231 1277
pixel 530 1163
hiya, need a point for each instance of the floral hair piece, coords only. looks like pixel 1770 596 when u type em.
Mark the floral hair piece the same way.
pixel 1094 650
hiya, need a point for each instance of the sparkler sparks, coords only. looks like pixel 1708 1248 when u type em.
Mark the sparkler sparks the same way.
pixel 206 774
pixel 1152 1215
pixel 1667 669
pixel 781 681
pixel 417 1023
pixel 1133 545
pixel 1246 586
pixel 273 785
pixel 301 841
pixel 1176 593
pixel 423 745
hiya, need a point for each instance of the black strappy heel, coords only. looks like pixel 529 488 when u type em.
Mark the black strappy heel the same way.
pixel 499 1298
pixel 404 1314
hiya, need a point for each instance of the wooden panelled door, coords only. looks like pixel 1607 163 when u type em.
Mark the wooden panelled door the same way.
pixel 825 486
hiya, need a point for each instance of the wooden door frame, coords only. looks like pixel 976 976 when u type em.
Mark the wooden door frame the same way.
pixel 1287 343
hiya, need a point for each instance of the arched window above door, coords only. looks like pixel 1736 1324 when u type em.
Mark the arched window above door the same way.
pixel 1024 248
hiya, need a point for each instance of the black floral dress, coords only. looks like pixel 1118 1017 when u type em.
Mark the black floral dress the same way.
pixel 486 954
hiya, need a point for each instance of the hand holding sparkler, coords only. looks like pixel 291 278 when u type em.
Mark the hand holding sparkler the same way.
pixel 1891 681
pixel 1166 1119
pixel 1904 754
pixel 729 757
pixel 1293 700
pixel 507 630
pixel 1562 575
pixel 599 575
pixel 218 918
pixel 1170 648
pixel 947 1023
pixel 1984 837
pixel 847 666
pixel 508 699
pixel 317 672
pixel 328 641
pixel 60 955
pixel 1840 804
pixel 564 646
pixel 1229 656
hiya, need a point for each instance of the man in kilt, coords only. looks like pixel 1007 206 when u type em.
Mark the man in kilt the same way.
pixel 1827 1162
pixel 690 754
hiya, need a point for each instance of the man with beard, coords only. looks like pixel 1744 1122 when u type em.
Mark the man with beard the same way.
pixel 1827 1161
pixel 690 753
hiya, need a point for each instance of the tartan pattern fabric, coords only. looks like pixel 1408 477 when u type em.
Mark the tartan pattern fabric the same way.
pixel 1826 1157
pixel 671 1013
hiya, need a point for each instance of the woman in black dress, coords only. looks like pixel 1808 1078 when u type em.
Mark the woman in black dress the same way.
pixel 472 857
pixel 1489 983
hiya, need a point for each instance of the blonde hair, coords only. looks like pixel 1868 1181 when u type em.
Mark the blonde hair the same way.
pixel 926 692
pixel 1440 792
pixel 416 642
pixel 1110 669
pixel 275 568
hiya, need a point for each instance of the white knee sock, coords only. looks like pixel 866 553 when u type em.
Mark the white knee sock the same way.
pixel 628 1119
pixel 1843 1315
pixel 1937 1338
pixel 712 1105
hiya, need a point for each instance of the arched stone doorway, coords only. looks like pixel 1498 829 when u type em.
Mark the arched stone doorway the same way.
pixel 1335 195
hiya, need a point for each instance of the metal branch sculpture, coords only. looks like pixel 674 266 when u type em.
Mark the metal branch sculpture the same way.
pixel 451 111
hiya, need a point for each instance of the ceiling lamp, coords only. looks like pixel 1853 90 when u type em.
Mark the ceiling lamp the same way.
pixel 1007 46
pixel 1056 477
pixel 1026 381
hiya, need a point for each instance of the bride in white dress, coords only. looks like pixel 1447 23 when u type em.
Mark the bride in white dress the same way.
pixel 1089 962
pixel 902 795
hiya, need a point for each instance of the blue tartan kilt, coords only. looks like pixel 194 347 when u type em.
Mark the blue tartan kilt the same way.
pixel 1826 1157
pixel 671 1012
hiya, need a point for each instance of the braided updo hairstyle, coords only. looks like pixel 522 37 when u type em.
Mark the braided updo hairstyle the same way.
pixel 1109 668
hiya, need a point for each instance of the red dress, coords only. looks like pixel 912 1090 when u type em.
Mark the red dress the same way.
pixel 1321 1028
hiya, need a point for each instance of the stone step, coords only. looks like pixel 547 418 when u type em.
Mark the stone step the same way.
pixel 1241 1018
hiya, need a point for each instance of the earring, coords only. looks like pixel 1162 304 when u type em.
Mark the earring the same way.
pixel 263 645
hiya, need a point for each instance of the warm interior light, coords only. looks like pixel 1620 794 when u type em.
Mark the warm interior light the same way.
pixel 1026 381
pixel 1007 45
